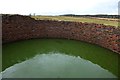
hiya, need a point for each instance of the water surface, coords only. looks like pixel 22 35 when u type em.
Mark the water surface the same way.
pixel 69 58
pixel 56 65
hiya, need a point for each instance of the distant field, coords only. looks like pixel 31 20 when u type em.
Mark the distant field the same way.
pixel 104 21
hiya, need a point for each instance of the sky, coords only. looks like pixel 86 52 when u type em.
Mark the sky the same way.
pixel 59 7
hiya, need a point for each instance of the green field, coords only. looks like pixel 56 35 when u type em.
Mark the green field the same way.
pixel 78 19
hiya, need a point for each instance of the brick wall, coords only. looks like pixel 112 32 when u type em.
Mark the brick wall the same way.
pixel 16 27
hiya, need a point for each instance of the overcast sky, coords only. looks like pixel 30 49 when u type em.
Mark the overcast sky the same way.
pixel 58 7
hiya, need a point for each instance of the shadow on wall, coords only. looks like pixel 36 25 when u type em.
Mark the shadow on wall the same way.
pixel 18 27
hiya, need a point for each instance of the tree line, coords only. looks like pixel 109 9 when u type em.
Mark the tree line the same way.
pixel 98 15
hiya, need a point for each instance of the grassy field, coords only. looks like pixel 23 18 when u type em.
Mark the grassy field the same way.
pixel 78 19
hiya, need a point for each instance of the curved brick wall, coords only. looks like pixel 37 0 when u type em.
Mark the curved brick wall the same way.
pixel 16 27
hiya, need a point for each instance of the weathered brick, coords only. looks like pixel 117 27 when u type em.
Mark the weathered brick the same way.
pixel 17 27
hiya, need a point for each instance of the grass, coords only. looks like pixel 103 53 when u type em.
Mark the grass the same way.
pixel 78 19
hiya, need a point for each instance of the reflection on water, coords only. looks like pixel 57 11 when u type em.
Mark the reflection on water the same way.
pixel 56 65
pixel 0 75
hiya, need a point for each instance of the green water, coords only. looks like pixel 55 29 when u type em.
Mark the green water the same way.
pixel 58 58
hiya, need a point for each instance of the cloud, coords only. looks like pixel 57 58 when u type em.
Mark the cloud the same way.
pixel 54 7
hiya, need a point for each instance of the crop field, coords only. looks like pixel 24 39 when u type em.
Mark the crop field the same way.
pixel 105 21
